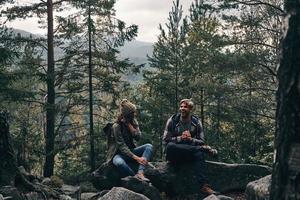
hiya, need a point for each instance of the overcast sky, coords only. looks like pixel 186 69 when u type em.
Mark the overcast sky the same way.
pixel 147 14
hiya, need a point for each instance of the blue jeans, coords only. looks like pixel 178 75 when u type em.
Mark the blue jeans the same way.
pixel 121 161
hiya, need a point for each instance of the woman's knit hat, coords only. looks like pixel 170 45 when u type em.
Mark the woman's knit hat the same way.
pixel 126 107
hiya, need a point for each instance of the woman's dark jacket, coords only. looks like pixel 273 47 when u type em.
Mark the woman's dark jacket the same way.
pixel 122 141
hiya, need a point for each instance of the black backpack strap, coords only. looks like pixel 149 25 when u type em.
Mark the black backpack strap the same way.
pixel 195 120
pixel 175 120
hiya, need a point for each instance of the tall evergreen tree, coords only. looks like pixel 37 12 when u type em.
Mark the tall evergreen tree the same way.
pixel 163 82
pixel 69 78
pixel 93 34
pixel 50 106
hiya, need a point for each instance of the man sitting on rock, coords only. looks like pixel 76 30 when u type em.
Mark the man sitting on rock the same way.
pixel 184 139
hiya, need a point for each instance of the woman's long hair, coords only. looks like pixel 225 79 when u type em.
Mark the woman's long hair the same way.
pixel 120 116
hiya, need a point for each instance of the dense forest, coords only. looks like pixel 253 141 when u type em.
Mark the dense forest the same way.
pixel 59 91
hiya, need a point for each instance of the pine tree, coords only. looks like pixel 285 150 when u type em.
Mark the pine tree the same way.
pixel 163 81
pixel 93 35
pixel 69 78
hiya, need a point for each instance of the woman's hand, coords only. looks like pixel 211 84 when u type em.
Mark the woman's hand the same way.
pixel 131 128
pixel 140 160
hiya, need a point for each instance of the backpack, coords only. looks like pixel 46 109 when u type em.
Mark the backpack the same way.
pixel 107 130
pixel 176 118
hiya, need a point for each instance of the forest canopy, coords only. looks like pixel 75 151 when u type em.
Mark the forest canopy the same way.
pixel 222 54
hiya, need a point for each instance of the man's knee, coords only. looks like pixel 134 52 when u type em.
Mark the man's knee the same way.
pixel 199 155
pixel 170 147
pixel 171 151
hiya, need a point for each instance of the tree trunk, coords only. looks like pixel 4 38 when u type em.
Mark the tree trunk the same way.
pixel 92 149
pixel 286 171
pixel 7 155
pixel 22 148
pixel 50 107
pixel 9 171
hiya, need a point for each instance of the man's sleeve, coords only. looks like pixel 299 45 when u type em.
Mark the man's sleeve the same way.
pixel 199 139
pixel 120 141
pixel 169 133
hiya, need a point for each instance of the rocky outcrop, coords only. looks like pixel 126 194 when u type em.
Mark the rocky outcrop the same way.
pixel 218 197
pixel 72 191
pixel 10 192
pixel 180 180
pixel 259 189
pixel 89 196
pixel 142 187
pixel 119 193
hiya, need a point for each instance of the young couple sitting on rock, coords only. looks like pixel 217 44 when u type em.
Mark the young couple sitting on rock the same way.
pixel 183 137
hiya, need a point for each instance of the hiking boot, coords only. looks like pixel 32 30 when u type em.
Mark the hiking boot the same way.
pixel 206 189
pixel 142 177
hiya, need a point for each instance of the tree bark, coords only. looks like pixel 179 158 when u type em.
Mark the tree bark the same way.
pixel 92 148
pixel 9 171
pixel 286 170
pixel 8 161
pixel 50 107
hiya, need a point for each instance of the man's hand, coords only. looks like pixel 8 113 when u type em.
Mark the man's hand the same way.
pixel 186 135
pixel 140 160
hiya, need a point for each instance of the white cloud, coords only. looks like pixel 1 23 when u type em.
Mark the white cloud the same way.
pixel 147 14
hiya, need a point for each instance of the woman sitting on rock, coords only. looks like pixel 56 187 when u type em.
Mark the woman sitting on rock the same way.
pixel 123 150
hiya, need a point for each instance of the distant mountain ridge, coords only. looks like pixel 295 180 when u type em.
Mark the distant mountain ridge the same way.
pixel 24 33
pixel 136 51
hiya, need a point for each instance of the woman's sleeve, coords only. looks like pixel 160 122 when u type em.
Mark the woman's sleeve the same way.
pixel 122 147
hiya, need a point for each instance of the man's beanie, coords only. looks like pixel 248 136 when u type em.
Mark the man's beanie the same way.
pixel 126 107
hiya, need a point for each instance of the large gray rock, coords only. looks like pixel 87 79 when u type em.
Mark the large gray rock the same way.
pixel 218 197
pixel 87 186
pixel 72 191
pixel 10 192
pixel 89 196
pixel 106 177
pixel 33 196
pixel 47 181
pixel 181 180
pixel 259 189
pixel 222 176
pixel 141 187
pixel 65 197
pixel 119 193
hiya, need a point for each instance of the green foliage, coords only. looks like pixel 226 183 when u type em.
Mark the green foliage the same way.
pixel 223 55
pixel 226 63
pixel 71 61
